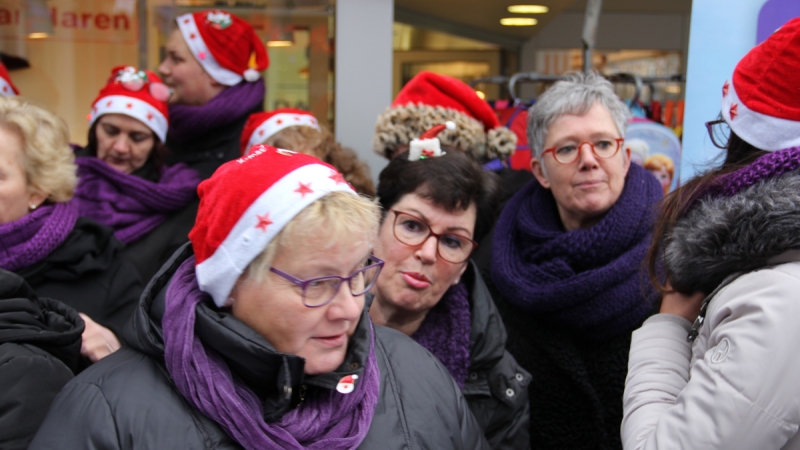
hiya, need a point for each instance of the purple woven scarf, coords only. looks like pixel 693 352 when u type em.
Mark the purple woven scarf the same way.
pixel 187 122
pixel 771 165
pixel 327 420
pixel 26 241
pixel 445 332
pixel 131 206
pixel 587 280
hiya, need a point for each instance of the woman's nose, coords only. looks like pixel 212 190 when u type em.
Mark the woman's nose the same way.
pixel 427 251
pixel 345 306
pixel 587 158
pixel 163 68
pixel 121 144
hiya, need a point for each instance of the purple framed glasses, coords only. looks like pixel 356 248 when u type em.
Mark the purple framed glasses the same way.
pixel 719 132
pixel 321 290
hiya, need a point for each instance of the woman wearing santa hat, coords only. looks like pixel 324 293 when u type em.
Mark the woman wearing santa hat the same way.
pixel 124 182
pixel 299 130
pixel 42 238
pixel 436 206
pixel 718 367
pixel 212 64
pixel 256 335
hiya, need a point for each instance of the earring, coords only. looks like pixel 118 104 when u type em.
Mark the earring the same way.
pixel 33 206
pixel 457 281
pixel 230 301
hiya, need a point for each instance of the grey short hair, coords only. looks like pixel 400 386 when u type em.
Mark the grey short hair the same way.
pixel 574 96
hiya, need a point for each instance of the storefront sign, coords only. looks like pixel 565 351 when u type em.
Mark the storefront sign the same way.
pixel 69 20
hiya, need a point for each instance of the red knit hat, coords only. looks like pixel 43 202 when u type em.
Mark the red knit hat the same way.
pixel 136 93
pixel 260 126
pixel 762 102
pixel 225 45
pixel 261 193
pixel 430 99
pixel 7 88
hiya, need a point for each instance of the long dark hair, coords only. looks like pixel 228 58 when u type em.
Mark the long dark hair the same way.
pixel 158 154
pixel 677 204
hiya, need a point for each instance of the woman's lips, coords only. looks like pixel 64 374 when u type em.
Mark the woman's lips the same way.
pixel 589 184
pixel 333 341
pixel 416 280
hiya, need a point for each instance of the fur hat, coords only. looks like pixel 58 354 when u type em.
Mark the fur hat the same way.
pixel 261 193
pixel 136 93
pixel 225 45
pixel 260 126
pixel 430 99
pixel 761 102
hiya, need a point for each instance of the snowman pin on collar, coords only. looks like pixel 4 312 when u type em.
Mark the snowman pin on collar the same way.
pixel 347 384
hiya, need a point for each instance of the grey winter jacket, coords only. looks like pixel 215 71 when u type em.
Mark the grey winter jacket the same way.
pixel 128 401
pixel 496 387
pixel 736 385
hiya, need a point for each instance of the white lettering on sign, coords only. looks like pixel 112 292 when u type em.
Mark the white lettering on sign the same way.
pixel 80 20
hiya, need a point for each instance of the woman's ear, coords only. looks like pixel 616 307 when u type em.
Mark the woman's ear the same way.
pixel 35 198
pixel 538 172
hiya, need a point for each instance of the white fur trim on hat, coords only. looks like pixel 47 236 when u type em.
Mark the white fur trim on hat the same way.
pixel 203 55
pixel 277 123
pixel 5 89
pixel 759 130
pixel 261 222
pixel 133 107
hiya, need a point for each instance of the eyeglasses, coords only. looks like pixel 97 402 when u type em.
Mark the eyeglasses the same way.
pixel 568 154
pixel 412 231
pixel 719 131
pixel 321 290
pixel 134 81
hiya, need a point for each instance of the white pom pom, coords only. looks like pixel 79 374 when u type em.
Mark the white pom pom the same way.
pixel 450 125
pixel 251 75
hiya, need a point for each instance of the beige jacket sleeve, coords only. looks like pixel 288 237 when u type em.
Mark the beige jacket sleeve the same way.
pixel 737 387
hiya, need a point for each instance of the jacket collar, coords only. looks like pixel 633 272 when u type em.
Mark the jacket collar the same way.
pixel 278 379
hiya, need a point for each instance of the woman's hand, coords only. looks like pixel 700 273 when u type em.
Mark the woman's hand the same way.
pixel 98 341
pixel 686 306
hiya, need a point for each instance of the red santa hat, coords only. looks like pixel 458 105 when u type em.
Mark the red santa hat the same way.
pixel 260 126
pixel 7 88
pixel 136 93
pixel 430 99
pixel 261 193
pixel 761 102
pixel 225 45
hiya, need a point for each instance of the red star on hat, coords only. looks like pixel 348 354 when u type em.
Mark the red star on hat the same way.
pixel 186 21
pixel 279 121
pixel 304 189
pixel 108 103
pixel 260 132
pixel 129 106
pixel 201 55
pixel 263 222
pixel 725 88
pixel 337 177
pixel 296 119
pixel 734 111
pixel 149 116
pixel 192 36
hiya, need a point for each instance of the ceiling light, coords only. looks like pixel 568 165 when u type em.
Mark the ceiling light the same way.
pixel 518 21
pixel 280 43
pixel 481 95
pixel 38 35
pixel 528 9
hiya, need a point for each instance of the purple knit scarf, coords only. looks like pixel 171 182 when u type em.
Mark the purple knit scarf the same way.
pixel 587 280
pixel 445 332
pixel 131 206
pixel 187 122
pixel 327 420
pixel 26 241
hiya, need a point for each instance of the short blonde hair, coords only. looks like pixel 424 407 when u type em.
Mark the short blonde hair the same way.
pixel 660 161
pixel 342 216
pixel 47 158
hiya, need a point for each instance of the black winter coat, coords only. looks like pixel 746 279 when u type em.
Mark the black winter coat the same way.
pixel 497 387
pixel 207 151
pixel 87 273
pixel 40 343
pixel 128 400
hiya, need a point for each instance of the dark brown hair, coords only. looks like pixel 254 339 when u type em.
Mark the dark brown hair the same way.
pixel 158 154
pixel 677 204
pixel 453 181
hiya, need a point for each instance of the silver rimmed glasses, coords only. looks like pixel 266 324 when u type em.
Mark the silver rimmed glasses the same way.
pixel 413 231
pixel 321 290
pixel 602 148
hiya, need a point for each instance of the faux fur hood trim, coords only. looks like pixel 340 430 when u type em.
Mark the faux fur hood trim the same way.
pixel 721 236
pixel 399 125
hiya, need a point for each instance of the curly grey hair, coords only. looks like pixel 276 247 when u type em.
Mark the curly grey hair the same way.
pixel 574 96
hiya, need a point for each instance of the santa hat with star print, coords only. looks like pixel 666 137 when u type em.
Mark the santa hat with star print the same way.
pixel 7 88
pixel 430 99
pixel 761 102
pixel 260 126
pixel 225 45
pixel 262 192
pixel 136 93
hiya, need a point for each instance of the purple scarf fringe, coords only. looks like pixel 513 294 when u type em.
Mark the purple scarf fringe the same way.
pixel 132 206
pixel 588 280
pixel 327 420
pixel 26 241
pixel 445 332
pixel 187 122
